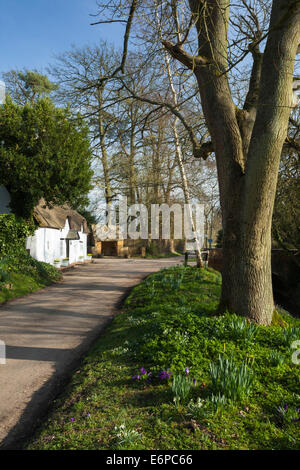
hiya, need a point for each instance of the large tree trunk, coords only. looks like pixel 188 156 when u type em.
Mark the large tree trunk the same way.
pixel 246 274
pixel 268 135
pixel 247 145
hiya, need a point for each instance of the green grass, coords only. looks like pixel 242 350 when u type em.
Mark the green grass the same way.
pixel 21 275
pixel 168 323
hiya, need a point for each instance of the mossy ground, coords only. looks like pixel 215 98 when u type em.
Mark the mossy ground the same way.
pixel 168 323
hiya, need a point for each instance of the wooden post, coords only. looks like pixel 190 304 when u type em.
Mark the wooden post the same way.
pixel 205 255
pixel 186 258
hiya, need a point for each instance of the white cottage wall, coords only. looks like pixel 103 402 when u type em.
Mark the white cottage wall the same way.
pixel 44 245
pixel 48 244
pixel 83 244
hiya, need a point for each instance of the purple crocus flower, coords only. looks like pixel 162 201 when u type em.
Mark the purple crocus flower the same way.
pixel 285 406
pixel 143 371
pixel 164 374
pixel 194 382
pixel 138 377
pixel 72 419
pixel 187 371
pixel 150 374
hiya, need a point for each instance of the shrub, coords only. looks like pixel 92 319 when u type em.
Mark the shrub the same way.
pixel 230 380
pixel 4 275
pixel 13 233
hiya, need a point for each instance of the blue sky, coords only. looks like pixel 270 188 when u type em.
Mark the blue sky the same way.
pixel 33 31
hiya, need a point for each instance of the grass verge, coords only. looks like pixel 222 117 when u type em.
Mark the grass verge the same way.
pixel 21 274
pixel 169 374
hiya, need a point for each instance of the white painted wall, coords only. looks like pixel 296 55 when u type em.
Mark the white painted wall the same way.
pixel 44 245
pixel 4 201
pixel 47 245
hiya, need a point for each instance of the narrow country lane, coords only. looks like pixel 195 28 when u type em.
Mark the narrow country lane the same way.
pixel 48 332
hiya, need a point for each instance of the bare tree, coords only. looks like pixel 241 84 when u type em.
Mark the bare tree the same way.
pixel 79 73
pixel 247 142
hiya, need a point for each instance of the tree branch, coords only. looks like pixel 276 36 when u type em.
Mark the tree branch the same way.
pixel 293 144
pixel 277 76
pixel 204 150
pixel 197 147
pixel 121 67
pixel 108 21
pixel 253 93
pixel 177 51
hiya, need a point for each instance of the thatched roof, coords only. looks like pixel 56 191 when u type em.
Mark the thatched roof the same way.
pixel 56 217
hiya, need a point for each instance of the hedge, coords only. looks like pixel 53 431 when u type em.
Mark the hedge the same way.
pixel 13 233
